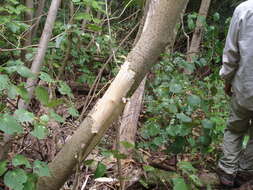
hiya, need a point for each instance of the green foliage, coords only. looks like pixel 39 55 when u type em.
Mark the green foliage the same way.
pixel 100 171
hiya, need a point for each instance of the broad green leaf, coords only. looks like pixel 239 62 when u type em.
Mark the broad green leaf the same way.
pixel 4 82
pixel 177 146
pixel 44 118
pixel 186 167
pixel 148 168
pixel 94 27
pixel 21 90
pixel 65 89
pixel 3 167
pixel 24 116
pixel 83 16
pixel 25 72
pixel 41 169
pixel 196 180
pixel 194 100
pixel 179 184
pixel 207 124
pixel 15 179
pixel 205 140
pixel 56 117
pixel 20 160
pixel 31 182
pixel 42 95
pixel 175 88
pixel 100 171
pixel 73 111
pixel 216 16
pixel 12 91
pixel 184 118
pixel 10 125
pixel 54 103
pixel 40 132
pixel 172 108
pixel 46 77
pixel 127 145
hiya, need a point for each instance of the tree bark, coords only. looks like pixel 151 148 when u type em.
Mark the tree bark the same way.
pixel 39 58
pixel 160 22
pixel 38 14
pixel 29 20
pixel 197 36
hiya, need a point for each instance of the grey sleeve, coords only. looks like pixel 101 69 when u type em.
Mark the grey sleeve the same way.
pixel 231 54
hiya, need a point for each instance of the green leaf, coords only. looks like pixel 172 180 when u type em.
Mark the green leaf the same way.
pixel 184 118
pixel 175 88
pixel 42 95
pixel 56 117
pixel 3 167
pixel 127 145
pixel 4 82
pixel 15 179
pixel 186 167
pixel 83 16
pixel 24 116
pixel 65 89
pixel 207 124
pixel 73 111
pixel 148 168
pixel 25 72
pixel 46 77
pixel 55 102
pixel 31 182
pixel 194 100
pixel 21 90
pixel 216 16
pixel 12 91
pixel 9 125
pixel 179 184
pixel 20 160
pixel 94 27
pixel 100 171
pixel 41 169
pixel 172 108
pixel 40 132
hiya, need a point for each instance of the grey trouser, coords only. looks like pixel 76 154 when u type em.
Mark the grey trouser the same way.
pixel 239 125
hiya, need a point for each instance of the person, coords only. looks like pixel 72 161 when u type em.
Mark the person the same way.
pixel 236 165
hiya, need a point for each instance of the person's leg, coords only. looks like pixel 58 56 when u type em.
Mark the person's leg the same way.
pixel 237 127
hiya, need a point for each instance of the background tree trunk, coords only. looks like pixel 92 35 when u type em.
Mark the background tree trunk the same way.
pixel 38 15
pixel 198 32
pixel 39 58
pixel 160 22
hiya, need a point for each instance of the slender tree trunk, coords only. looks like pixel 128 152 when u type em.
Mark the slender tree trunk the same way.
pixel 160 22
pixel 39 58
pixel 197 36
pixel 38 14
pixel 29 21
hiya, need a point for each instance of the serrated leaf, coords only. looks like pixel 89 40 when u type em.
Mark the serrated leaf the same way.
pixel 54 103
pixel 12 91
pixel 56 117
pixel 15 179
pixel 41 169
pixel 4 82
pixel 73 111
pixel 3 167
pixel 179 184
pixel 65 89
pixel 46 77
pixel 21 90
pixel 10 125
pixel 148 168
pixel 194 100
pixel 42 95
pixel 20 160
pixel 23 115
pixel 100 171
pixel 40 132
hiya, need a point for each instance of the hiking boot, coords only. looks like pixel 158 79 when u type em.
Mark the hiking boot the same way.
pixel 227 180
pixel 243 177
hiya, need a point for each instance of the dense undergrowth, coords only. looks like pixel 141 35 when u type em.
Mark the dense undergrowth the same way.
pixel 183 115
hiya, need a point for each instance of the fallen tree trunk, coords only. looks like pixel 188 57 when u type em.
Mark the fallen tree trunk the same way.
pixel 160 22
